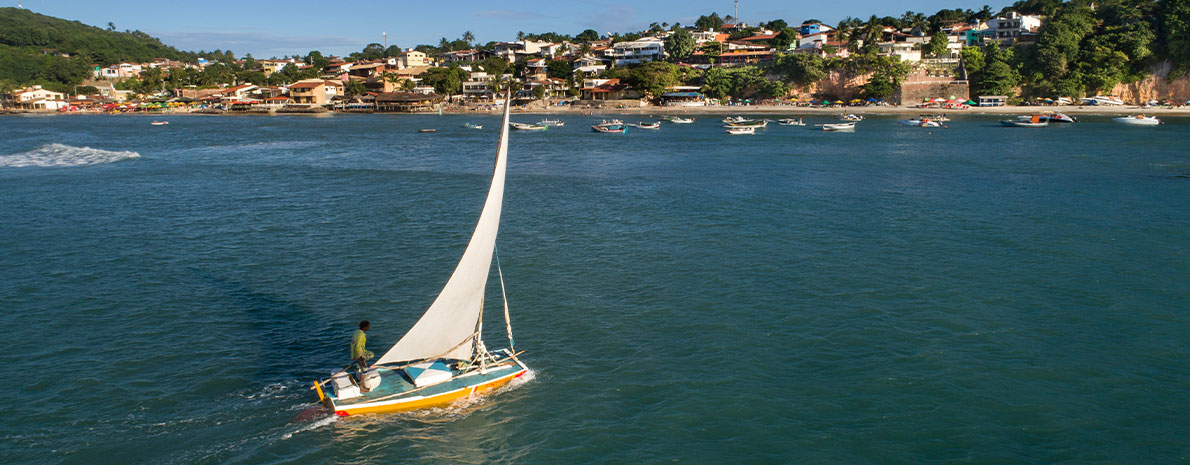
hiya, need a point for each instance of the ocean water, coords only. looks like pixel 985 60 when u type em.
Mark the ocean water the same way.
pixel 974 294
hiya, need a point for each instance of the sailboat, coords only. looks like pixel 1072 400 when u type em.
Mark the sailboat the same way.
pixel 442 358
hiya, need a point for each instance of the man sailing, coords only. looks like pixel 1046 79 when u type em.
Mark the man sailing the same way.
pixel 360 355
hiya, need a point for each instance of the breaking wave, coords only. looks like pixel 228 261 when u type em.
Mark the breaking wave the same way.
pixel 61 155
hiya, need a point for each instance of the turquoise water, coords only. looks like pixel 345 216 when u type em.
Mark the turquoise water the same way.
pixel 974 294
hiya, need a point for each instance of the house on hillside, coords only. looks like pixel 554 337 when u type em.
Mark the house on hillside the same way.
pixel 1013 28
pixel 637 51
pixel 607 89
pixel 272 66
pixel 411 58
pixel 589 66
pixel 466 56
pixel 477 86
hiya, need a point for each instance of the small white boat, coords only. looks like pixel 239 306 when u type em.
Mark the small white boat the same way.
pixel 159 123
pixel 791 122
pixel 938 118
pixel 850 117
pixel 1059 118
pixel 753 123
pixel 643 125
pixel 551 122
pixel 677 120
pixel 837 126
pixel 427 130
pixel 1101 100
pixel 1138 120
pixel 920 123
pixel 472 126
pixel 527 127
pixel 738 130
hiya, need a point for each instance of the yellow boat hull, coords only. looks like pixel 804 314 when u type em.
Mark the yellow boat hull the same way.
pixel 437 400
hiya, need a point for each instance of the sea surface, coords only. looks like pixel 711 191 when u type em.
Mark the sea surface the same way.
pixel 973 294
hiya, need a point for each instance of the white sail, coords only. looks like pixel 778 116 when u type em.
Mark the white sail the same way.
pixel 446 328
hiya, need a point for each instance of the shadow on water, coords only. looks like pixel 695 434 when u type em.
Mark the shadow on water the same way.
pixel 284 338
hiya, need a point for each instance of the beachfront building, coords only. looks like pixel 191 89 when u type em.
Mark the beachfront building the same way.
pixel 478 85
pixel 37 98
pixel 607 89
pixel 315 91
pixel 237 93
pixel 407 102
pixel 1013 28
pixel 637 51
pixel 992 100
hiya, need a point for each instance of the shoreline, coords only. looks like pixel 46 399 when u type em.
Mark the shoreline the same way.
pixel 704 110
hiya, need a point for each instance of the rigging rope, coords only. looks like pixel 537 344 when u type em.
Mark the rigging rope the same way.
pixel 504 294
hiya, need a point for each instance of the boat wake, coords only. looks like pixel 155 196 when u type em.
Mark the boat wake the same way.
pixel 311 426
pixel 62 155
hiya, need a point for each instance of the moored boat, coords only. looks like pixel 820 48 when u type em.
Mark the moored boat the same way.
pixel 791 122
pixel 643 125
pixel 920 123
pixel 610 128
pixel 677 120
pixel 837 126
pixel 1137 120
pixel 528 127
pixel 472 126
pixel 551 122
pixel 159 123
pixel 442 358
pixel 850 117
pixel 427 130
pixel 1034 121
pixel 741 130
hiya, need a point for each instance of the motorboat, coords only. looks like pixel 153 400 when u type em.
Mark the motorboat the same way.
pixel 1059 118
pixel 740 130
pixel 642 125
pixel 610 128
pixel 921 123
pixel 159 123
pixel 1101 100
pixel 791 122
pixel 551 122
pixel 850 117
pixel 754 123
pixel 1137 120
pixel 427 130
pixel 677 120
pixel 837 126
pixel 527 127
pixel 1034 121
pixel 938 118
pixel 472 126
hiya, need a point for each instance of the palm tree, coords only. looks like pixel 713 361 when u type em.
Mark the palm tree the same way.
pixel 520 35
pixel 468 37
pixel 444 44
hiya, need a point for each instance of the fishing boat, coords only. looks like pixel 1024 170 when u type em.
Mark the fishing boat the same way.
pixel 677 120
pixel 654 125
pixel 850 117
pixel 551 122
pixel 442 358
pixel 920 123
pixel 740 130
pixel 472 126
pixel 791 122
pixel 1034 121
pixel 752 123
pixel 427 130
pixel 734 119
pixel 837 126
pixel 528 127
pixel 159 123
pixel 1137 120
pixel 610 128
pixel 938 118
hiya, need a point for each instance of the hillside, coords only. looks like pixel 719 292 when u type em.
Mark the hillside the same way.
pixel 31 44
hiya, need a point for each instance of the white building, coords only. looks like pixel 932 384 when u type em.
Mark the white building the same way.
pixel 908 52
pixel 37 98
pixel 476 85
pixel 1013 27
pixel 589 65
pixel 637 51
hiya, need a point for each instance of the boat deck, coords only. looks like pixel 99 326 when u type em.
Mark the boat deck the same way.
pixel 396 387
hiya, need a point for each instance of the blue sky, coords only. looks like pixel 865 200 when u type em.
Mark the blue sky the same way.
pixel 273 27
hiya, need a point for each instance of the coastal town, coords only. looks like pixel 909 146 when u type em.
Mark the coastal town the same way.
pixel 952 60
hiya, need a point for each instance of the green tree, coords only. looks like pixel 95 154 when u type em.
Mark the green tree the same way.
pixel 654 78
pixel 587 36
pixel 1174 31
pixel 709 23
pixel 938 43
pixel 354 88
pixel 679 45
pixel 889 74
pixel 468 37
pixel 559 69
pixel 713 49
pixel 785 39
pixel 801 68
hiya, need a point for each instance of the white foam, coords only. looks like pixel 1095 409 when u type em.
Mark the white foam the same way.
pixel 315 425
pixel 61 155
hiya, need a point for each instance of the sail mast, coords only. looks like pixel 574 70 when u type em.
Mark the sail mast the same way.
pixel 454 317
